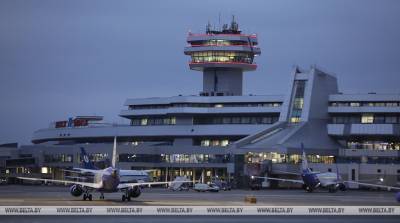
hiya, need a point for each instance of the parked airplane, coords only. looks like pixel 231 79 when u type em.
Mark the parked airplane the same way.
pixel 329 180
pixel 105 181
pixel 126 175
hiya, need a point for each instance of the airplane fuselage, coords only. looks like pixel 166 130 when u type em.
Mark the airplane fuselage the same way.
pixel 328 180
pixel 110 180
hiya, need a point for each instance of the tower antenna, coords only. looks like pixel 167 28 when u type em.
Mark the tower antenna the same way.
pixel 219 20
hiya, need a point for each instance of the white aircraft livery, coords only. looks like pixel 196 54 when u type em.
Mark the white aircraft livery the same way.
pixel 106 180
pixel 328 180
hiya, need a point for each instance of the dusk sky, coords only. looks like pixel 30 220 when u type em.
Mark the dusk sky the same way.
pixel 62 58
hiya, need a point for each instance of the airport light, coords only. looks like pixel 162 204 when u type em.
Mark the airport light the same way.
pixel 45 170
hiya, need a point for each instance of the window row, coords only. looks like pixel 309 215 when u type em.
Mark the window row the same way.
pixel 212 142
pixel 373 145
pixel 219 42
pixel 231 59
pixel 207 105
pixel 369 160
pixel 235 120
pixel 365 104
pixel 366 119
pixel 220 54
pixel 58 158
pixel 174 158
pixel 286 158
pixel 153 121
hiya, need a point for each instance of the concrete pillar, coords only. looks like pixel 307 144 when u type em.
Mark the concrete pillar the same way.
pixel 166 174
pixel 194 175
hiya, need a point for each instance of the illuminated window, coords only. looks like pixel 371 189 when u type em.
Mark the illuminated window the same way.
pixel 295 120
pixel 215 143
pixel 224 142
pixel 45 170
pixel 367 118
pixel 143 121
pixel 205 142
pixel 298 103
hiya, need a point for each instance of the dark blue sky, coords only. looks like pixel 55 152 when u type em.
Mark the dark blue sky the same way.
pixel 60 58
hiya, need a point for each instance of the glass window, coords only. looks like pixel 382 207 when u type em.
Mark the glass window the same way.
pixel 379 119
pixel 245 120
pixel 143 121
pixel 354 119
pixel 235 120
pixel 224 142
pixel 391 104
pixel 205 142
pixel 367 118
pixel 294 119
pixel 266 120
pixel 226 120
pixel 391 119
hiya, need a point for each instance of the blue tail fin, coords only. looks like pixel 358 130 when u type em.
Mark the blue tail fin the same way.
pixel 87 164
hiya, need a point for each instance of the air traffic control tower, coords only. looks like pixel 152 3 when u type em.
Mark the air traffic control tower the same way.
pixel 222 55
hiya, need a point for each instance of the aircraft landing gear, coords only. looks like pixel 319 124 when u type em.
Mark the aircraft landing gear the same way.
pixel 126 197
pixel 101 196
pixel 307 188
pixel 332 189
pixel 87 196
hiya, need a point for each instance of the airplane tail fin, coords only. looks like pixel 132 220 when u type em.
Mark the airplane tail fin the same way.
pixel 304 162
pixel 87 164
pixel 114 153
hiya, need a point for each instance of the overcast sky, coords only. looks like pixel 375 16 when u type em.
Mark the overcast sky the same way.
pixel 61 58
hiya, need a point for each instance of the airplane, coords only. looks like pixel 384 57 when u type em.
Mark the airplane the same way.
pixel 126 175
pixel 105 181
pixel 328 180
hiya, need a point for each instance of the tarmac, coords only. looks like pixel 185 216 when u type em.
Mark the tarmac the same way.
pixel 15 195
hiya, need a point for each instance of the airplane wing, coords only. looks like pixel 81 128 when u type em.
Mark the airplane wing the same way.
pixel 372 185
pixel 281 179
pixel 129 185
pixel 85 184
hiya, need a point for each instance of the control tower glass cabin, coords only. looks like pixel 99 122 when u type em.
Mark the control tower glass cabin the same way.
pixel 222 56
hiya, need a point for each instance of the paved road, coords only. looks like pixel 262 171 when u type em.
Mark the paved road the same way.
pixel 50 195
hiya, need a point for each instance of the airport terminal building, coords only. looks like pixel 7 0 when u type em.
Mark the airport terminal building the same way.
pixel 222 133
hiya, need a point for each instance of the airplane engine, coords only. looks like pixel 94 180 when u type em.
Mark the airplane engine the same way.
pixel 134 192
pixel 76 190
pixel 342 187
pixel 398 196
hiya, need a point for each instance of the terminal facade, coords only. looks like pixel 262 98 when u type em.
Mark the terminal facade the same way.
pixel 221 133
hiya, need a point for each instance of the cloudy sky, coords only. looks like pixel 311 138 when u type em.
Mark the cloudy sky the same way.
pixel 61 58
